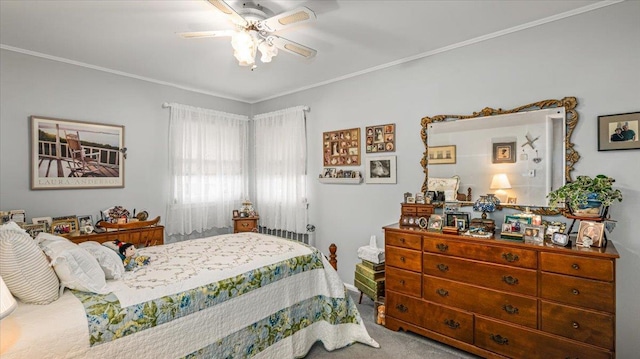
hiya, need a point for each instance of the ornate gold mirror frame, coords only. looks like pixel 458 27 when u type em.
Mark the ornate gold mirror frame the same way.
pixel 571 155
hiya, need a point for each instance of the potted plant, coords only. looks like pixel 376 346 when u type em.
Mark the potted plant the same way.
pixel 586 196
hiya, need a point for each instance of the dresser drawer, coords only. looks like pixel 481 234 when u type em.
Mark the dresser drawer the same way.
pixel 518 342
pixel 410 210
pixel 425 211
pixel 502 255
pixel 407 309
pixel 403 258
pixel 404 240
pixel 403 281
pixel 510 307
pixel 582 325
pixel 245 225
pixel 454 323
pixel 507 278
pixel 578 291
pixel 593 268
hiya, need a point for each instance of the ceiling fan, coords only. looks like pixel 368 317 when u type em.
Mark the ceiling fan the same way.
pixel 254 31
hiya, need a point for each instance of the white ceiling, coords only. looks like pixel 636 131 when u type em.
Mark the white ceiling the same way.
pixel 138 38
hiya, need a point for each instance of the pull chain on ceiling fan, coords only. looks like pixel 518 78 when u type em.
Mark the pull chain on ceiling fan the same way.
pixel 254 32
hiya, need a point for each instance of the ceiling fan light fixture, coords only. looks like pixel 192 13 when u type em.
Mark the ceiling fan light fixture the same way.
pixel 244 48
pixel 267 50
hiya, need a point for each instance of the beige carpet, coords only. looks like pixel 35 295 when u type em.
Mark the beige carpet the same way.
pixel 392 344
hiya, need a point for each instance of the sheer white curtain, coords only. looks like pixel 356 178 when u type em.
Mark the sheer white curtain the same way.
pixel 280 169
pixel 208 165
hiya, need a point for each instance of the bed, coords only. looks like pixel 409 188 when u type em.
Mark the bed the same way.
pixel 228 296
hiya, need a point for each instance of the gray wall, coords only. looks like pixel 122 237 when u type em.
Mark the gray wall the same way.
pixel 593 56
pixel 36 86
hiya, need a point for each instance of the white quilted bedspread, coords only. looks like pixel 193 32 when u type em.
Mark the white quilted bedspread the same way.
pixel 59 330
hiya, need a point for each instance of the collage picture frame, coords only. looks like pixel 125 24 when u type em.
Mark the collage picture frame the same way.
pixel 341 147
pixel 381 138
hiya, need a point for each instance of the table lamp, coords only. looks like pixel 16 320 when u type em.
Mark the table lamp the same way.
pixel 486 203
pixel 500 182
pixel 7 302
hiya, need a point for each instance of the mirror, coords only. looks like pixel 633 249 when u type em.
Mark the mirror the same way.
pixel 529 145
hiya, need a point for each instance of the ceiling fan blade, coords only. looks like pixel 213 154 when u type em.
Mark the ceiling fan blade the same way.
pixel 293 17
pixel 230 12
pixel 292 47
pixel 203 34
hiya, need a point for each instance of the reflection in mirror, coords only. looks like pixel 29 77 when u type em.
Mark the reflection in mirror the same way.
pixel 519 155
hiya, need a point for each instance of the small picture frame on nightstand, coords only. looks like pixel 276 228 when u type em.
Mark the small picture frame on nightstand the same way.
pixel 236 213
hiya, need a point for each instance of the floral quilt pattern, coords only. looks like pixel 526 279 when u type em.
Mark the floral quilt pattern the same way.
pixel 108 320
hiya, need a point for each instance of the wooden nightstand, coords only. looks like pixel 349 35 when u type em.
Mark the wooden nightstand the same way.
pixel 245 224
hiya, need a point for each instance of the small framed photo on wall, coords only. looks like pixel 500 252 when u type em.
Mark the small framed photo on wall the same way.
pixel 619 132
pixel 504 152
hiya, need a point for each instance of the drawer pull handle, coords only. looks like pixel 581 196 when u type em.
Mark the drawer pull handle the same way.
pixel 575 325
pixel 401 308
pixel 509 280
pixel 510 257
pixel 510 309
pixel 575 266
pixel 245 224
pixel 442 247
pixel 451 323
pixel 402 259
pixel 442 292
pixel 401 281
pixel 443 267
pixel 401 240
pixel 499 339
pixel 575 291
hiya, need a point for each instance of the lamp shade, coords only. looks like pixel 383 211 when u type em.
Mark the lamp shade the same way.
pixel 7 302
pixel 500 181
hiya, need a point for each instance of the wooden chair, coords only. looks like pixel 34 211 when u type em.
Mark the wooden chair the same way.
pixel 82 164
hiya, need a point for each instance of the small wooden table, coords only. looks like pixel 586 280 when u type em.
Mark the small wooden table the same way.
pixel 245 224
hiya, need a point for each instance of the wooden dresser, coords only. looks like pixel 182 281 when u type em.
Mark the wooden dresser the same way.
pixel 498 298
pixel 141 234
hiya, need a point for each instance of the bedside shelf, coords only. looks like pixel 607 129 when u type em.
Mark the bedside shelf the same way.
pixel 341 180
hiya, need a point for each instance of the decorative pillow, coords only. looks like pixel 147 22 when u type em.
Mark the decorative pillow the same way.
pixel 109 260
pixel 76 268
pixel 25 269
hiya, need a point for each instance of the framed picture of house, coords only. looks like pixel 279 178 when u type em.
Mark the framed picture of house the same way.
pixel 341 147
pixel 68 154
pixel 442 155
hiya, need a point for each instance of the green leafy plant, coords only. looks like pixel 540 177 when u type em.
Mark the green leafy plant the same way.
pixel 584 189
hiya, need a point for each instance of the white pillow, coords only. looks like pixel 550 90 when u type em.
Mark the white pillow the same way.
pixel 109 260
pixel 25 269
pixel 76 268
pixel 443 184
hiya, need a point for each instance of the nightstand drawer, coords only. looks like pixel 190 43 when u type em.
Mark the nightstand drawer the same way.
pixel 403 258
pixel 403 281
pixel 245 225
pixel 577 291
pixel 583 325
pixel 510 279
pixel 399 239
pixel 593 268
pixel 502 255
